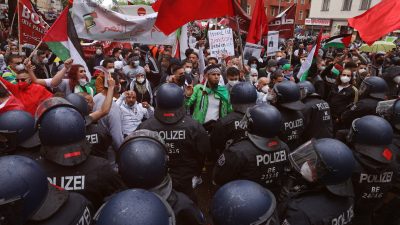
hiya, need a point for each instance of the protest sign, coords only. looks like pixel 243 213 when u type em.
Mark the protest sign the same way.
pixel 252 50
pixel 221 42
pixel 31 26
pixel 273 43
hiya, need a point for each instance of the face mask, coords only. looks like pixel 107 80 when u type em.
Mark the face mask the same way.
pixel 188 70
pixel 273 69
pixel 136 63
pixel 82 82
pixel 265 89
pixel 360 71
pixel 140 80
pixel 232 82
pixel 253 66
pixel 120 57
pixel 345 79
pixel 20 67
pixel 302 61
pixel 45 61
pixel 278 58
pixel 181 80
pixel 111 70
pixel 253 79
pixel 98 52
pixel 14 53
pixel 306 172
pixel 396 79
pixel 1 57
pixel 322 68
pixel 23 85
pixel 355 59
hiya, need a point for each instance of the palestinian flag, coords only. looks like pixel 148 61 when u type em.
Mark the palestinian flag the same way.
pixel 340 41
pixel 63 40
pixel 311 59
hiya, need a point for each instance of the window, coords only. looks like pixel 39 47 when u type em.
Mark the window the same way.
pixel 294 1
pixel 347 5
pixel 325 5
pixel 302 2
pixel 365 4
pixel 248 9
pixel 273 11
pixel 300 15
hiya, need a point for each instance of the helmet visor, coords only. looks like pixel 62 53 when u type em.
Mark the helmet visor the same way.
pixel 384 108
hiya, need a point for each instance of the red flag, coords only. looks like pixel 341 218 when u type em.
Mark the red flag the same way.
pixel 173 14
pixel 257 28
pixel 284 22
pixel 243 19
pixel 378 21
pixel 31 26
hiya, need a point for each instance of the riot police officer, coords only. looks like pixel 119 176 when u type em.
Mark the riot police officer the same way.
pixel 262 157
pixel 28 198
pixel 243 96
pixel 286 98
pixel 65 152
pixel 327 198
pixel 243 202
pixel 186 139
pixel 316 113
pixel 135 207
pixel 372 90
pixel 142 161
pixel 18 133
pixel 370 137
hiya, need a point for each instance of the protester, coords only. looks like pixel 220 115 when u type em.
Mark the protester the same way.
pixel 14 65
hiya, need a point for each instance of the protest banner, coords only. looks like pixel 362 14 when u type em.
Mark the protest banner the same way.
pixel 252 50
pixel 273 43
pixel 221 42
pixel 31 26
pixel 94 22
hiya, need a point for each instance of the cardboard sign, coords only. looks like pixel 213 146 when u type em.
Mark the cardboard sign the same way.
pixel 221 42
pixel 273 43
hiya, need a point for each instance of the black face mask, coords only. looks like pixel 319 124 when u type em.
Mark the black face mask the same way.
pixel 181 80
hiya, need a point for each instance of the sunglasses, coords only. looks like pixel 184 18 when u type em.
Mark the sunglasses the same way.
pixel 22 79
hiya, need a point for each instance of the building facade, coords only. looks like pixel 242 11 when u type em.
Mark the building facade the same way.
pixel 336 12
pixel 274 7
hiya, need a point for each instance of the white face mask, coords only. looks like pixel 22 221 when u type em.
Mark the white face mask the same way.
pixel 188 70
pixel 120 57
pixel 360 71
pixel 254 66
pixel 136 63
pixel 254 79
pixel 396 79
pixel 82 82
pixel 232 82
pixel 111 70
pixel 265 89
pixel 45 61
pixel 98 51
pixel 140 80
pixel 20 67
pixel 302 61
pixel 322 68
pixel 306 172
pixel 345 79
pixel 273 69
pixel 278 58
pixel 14 53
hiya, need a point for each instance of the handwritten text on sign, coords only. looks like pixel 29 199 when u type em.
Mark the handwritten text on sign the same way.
pixel 221 42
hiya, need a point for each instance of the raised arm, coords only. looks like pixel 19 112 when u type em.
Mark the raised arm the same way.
pixel 56 80
pixel 31 68
pixel 106 107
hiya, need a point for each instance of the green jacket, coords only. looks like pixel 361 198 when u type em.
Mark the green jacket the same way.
pixel 201 102
pixel 9 75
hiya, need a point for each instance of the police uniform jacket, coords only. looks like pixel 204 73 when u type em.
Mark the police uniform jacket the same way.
pixel 365 106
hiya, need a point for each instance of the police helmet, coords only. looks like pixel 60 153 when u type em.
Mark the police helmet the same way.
pixel 18 128
pixel 288 95
pixel 243 202
pixel 306 89
pixel 263 120
pixel 79 102
pixel 390 110
pixel 142 160
pixel 62 132
pixel 371 136
pixel 243 94
pixel 327 161
pixel 25 192
pixel 135 207
pixel 169 103
pixel 374 86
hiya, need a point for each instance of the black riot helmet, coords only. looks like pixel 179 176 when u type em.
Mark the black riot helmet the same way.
pixel 17 128
pixel 142 160
pixel 374 86
pixel 25 192
pixel 243 96
pixel 306 88
pixel 62 132
pixel 243 202
pixel 371 136
pixel 327 161
pixel 79 102
pixel 135 207
pixel 263 120
pixel 288 95
pixel 169 100
pixel 390 110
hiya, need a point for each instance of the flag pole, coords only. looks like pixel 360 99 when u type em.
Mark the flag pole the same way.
pixel 247 77
pixel 12 24
pixel 19 31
